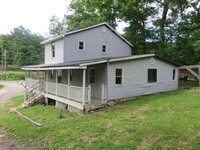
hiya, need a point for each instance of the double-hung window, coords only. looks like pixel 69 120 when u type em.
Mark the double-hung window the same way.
pixel 104 49
pixel 152 75
pixel 53 49
pixel 174 75
pixel 81 45
pixel 118 76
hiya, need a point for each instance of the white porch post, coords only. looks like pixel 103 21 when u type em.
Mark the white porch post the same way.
pixel 68 79
pixel 56 82
pixel 83 92
pixel 47 80
pixel 102 93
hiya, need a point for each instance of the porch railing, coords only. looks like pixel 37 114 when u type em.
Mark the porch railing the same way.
pixel 30 82
pixel 75 92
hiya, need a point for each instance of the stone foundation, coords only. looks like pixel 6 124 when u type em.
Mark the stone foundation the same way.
pixel 74 109
pixel 61 105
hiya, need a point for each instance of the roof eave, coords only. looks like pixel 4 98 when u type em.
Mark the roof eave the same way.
pixel 53 39
pixel 55 68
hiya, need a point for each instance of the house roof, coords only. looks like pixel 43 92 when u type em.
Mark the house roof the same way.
pixel 82 64
pixel 84 29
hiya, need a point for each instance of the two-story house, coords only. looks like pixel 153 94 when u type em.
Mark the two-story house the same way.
pixel 93 65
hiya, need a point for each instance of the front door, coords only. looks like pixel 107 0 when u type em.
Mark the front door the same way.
pixel 92 80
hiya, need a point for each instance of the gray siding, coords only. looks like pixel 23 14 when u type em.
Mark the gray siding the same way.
pixel 77 78
pixel 101 78
pixel 135 78
pixel 59 52
pixel 94 39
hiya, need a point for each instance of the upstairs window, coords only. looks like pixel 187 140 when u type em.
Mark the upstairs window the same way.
pixel 152 75
pixel 118 76
pixel 53 49
pixel 81 45
pixel 104 50
pixel 174 75
pixel 92 75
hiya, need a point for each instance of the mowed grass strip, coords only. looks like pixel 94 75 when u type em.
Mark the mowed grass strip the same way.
pixel 166 121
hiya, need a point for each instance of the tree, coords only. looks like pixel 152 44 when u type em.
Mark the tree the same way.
pixel 23 47
pixel 56 27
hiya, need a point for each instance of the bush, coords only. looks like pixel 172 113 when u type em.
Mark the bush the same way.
pixel 13 76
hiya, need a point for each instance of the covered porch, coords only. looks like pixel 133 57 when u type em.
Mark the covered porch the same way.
pixel 70 85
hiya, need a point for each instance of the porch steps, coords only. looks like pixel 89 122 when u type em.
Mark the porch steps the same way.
pixel 93 108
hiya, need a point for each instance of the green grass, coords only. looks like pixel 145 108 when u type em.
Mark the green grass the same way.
pixel 166 121
pixel 13 76
pixel 1 86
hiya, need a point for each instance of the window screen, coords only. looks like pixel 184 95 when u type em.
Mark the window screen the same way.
pixel 118 76
pixel 152 75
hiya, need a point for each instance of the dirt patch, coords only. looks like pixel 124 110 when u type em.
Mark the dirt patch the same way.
pixel 110 124
pixel 10 144
pixel 146 142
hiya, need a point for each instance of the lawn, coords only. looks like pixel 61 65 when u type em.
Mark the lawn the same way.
pixel 166 121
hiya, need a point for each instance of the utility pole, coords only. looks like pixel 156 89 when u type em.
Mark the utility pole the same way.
pixel 5 63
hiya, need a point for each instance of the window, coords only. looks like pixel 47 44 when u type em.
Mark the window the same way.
pixel 92 75
pixel 53 49
pixel 81 45
pixel 152 75
pixel 174 74
pixel 104 50
pixel 118 76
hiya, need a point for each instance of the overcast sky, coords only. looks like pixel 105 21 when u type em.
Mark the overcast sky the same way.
pixel 32 14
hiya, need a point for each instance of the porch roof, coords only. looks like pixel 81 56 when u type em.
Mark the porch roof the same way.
pixel 82 64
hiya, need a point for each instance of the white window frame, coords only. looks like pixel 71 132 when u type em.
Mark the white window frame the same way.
pixel 102 48
pixel 83 46
pixel 174 75
pixel 94 75
pixel 122 77
pixel 53 50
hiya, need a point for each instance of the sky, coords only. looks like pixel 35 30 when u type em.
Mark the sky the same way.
pixel 33 14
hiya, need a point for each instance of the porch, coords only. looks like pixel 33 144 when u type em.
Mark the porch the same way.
pixel 59 86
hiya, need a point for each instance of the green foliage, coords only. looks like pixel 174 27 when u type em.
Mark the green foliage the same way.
pixel 166 27
pixel 13 76
pixel 165 121
pixel 23 47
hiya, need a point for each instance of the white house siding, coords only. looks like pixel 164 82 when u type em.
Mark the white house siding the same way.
pixel 59 52
pixel 94 39
pixel 135 78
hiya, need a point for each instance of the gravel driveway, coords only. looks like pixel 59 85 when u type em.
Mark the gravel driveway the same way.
pixel 10 89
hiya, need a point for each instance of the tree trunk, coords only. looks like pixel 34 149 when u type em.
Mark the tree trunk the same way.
pixel 162 25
